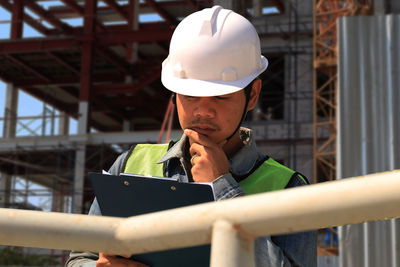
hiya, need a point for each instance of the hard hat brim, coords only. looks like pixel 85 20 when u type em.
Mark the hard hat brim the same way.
pixel 200 88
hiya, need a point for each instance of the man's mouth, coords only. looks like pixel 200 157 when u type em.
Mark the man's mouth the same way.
pixel 202 129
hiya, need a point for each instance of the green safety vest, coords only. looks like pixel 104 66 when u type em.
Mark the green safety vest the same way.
pixel 269 176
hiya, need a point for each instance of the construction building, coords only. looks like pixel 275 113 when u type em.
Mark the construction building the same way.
pixel 95 67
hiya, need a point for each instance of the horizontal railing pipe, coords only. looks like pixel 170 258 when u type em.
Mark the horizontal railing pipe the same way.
pixel 348 201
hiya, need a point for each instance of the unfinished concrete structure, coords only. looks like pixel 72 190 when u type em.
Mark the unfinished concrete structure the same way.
pixel 104 72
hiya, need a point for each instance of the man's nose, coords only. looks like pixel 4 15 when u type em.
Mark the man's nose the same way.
pixel 204 108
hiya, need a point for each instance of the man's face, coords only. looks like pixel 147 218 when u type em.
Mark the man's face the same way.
pixel 215 117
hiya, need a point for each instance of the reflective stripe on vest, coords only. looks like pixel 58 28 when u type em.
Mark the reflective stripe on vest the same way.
pixel 270 176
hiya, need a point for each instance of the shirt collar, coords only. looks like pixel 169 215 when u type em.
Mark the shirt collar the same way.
pixel 248 155
pixel 176 151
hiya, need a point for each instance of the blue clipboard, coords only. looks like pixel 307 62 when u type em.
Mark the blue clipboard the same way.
pixel 131 195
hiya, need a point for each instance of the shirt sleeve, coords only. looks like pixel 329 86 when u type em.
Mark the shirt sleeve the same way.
pixel 226 187
pixel 86 258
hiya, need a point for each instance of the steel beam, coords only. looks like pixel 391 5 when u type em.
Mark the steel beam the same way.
pixel 279 5
pixel 31 21
pixel 69 11
pixel 74 6
pixel 31 166
pixel 87 51
pixel 117 8
pixel 164 14
pixel 62 62
pixel 148 26
pixel 196 5
pixel 140 36
pixel 113 58
pixel 72 141
pixel 80 10
pixel 27 67
pixel 50 18
pixel 38 45
pixel 68 80
pixel 115 89
pixel 68 108
pixel 17 16
pixel 73 43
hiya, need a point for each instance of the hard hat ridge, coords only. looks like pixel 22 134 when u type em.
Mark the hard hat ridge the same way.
pixel 208 27
pixel 214 51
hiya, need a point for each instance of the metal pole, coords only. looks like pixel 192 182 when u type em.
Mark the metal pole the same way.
pixel 293 210
pixel 230 247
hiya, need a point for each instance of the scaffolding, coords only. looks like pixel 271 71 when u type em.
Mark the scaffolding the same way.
pixel 326 13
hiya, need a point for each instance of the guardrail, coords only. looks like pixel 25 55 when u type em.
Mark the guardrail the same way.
pixel 230 225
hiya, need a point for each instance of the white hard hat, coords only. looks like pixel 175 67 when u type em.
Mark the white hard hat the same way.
pixel 212 52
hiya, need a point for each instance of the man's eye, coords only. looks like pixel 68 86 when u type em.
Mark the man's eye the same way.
pixel 221 97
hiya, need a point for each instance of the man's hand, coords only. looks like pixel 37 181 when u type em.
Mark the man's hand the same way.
pixel 209 160
pixel 112 260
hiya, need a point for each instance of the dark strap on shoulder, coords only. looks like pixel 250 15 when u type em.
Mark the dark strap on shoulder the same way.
pixel 259 162
pixel 127 157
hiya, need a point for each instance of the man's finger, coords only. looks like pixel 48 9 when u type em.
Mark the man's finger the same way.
pixel 195 137
pixel 197 149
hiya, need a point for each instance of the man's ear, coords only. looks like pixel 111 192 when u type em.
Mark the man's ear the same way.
pixel 255 92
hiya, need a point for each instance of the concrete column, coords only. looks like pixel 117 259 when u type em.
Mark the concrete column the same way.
pixel 79 178
pixel 80 159
pixel 132 50
pixel 5 190
pixel 133 24
pixel 126 127
pixel 10 111
pixel 83 117
pixel 61 203
pixel 63 124
pixel 257 8
pixel 85 93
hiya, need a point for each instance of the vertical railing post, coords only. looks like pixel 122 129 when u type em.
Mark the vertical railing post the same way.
pixel 230 247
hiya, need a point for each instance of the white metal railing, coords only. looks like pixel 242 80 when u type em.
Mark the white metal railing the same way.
pixel 230 226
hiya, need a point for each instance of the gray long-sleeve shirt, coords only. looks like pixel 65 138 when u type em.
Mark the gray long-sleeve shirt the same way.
pixel 297 249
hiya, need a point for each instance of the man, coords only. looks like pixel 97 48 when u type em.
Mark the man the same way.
pixel 212 70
